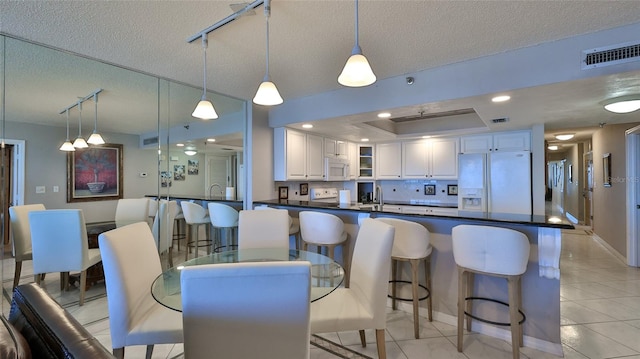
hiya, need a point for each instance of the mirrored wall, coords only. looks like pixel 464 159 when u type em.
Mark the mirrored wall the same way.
pixel 149 116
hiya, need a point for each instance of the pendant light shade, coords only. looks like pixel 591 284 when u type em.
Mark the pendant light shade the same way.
pixel 357 72
pixel 79 141
pixel 95 138
pixel 67 146
pixel 267 94
pixel 204 110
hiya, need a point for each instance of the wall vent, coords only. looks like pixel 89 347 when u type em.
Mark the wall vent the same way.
pixel 500 120
pixel 150 141
pixel 611 55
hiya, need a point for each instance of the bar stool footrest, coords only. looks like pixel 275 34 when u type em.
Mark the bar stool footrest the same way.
pixel 220 249
pixel 489 321
pixel 409 299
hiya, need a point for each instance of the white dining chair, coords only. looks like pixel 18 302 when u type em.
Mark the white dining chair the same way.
pixel 162 228
pixel 19 216
pixel 227 306
pixel 131 264
pixel 362 305
pixel 60 244
pixel 132 210
pixel 263 229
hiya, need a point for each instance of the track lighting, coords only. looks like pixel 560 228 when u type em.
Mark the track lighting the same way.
pixel 67 146
pixel 204 110
pixel 357 72
pixel 267 94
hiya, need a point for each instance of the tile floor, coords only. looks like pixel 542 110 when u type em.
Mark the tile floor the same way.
pixel 600 310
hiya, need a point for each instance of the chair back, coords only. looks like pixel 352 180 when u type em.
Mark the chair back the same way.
pixel 19 216
pixel 131 263
pixel 266 303
pixel 153 210
pixel 59 239
pixel 222 216
pixel 490 249
pixel 320 228
pixel 263 229
pixel 370 267
pixel 411 239
pixel 132 210
pixel 162 228
pixel 193 213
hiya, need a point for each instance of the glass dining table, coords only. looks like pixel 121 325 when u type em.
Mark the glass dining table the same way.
pixel 326 274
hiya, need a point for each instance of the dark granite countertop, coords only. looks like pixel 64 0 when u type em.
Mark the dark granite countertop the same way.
pixel 550 221
pixel 195 197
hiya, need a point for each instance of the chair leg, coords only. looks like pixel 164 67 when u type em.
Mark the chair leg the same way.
pixel 16 275
pixel 394 277
pixel 382 350
pixel 149 351
pixel 363 338
pixel 170 254
pixel 427 274
pixel 118 353
pixel 461 304
pixel 37 278
pixel 83 284
pixel 63 286
pixel 414 291
pixel 513 315
pixel 520 307
pixel 469 303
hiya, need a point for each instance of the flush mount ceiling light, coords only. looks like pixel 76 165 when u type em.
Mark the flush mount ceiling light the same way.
pixel 357 72
pixel 267 94
pixel 95 138
pixel 307 125
pixel 79 141
pixel 564 136
pixel 204 110
pixel 501 98
pixel 623 104
pixel 67 145
pixel 365 140
pixel 190 151
pixel 211 140
pixel 384 115
pixel 552 147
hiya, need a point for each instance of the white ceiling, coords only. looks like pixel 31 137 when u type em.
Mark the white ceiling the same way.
pixel 310 40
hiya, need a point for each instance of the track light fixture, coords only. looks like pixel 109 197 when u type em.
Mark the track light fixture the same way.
pixel 204 110
pixel 95 138
pixel 67 146
pixel 267 94
pixel 80 142
pixel 357 72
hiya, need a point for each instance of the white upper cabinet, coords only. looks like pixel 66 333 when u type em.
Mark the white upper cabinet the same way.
pixel 352 149
pixel 336 149
pixel 365 162
pixel 297 156
pixel 432 159
pixel 388 164
pixel 502 141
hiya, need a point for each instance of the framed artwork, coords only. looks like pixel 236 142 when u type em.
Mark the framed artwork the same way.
pixel 570 173
pixel 94 173
pixel 165 178
pixel 178 172
pixel 430 189
pixel 192 167
pixel 606 170
pixel 304 189
pixel 452 189
pixel 283 192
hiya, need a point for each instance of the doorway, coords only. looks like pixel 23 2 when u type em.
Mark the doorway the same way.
pixel 587 189
pixel 7 198
pixel 632 143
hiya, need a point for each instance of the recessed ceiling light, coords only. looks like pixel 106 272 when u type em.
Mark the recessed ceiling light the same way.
pixel 384 115
pixel 564 136
pixel 624 104
pixel 365 140
pixel 426 136
pixel 552 147
pixel 211 140
pixel 501 98
pixel 307 125
pixel 179 144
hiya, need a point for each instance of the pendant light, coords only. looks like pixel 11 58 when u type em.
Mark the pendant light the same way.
pixel 80 142
pixel 267 94
pixel 67 146
pixel 204 110
pixel 357 72
pixel 95 138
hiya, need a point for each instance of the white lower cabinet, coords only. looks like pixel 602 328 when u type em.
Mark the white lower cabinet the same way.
pixel 434 211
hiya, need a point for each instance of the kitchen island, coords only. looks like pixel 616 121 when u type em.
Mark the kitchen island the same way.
pixel 540 283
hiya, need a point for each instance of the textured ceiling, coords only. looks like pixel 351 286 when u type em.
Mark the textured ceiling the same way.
pixel 310 40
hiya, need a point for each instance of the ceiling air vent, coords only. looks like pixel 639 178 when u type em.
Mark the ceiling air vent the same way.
pixel 500 120
pixel 611 55
pixel 150 141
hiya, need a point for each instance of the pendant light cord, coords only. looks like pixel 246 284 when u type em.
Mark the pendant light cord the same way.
pixel 95 120
pixel 79 118
pixel 204 65
pixel 357 43
pixel 267 14
pixel 67 112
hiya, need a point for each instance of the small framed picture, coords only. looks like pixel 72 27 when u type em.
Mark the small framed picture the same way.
pixel 283 192
pixel 430 189
pixel 304 189
pixel 452 189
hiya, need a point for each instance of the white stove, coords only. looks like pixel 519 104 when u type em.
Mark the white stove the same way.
pixel 327 195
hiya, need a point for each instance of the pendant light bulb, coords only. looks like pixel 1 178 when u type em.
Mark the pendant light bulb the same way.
pixel 67 146
pixel 267 94
pixel 357 72
pixel 204 110
pixel 95 138
pixel 79 141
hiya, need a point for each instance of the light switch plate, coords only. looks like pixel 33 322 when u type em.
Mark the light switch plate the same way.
pixel 41 189
pixel 56 189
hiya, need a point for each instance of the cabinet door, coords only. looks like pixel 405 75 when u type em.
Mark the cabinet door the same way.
pixel 296 161
pixel 330 149
pixel 342 150
pixel 365 162
pixel 388 164
pixel 315 158
pixel 353 159
pixel 444 158
pixel 476 144
pixel 414 159
pixel 512 141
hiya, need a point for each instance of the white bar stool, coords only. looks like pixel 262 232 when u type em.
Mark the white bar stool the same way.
pixel 324 230
pixel 179 227
pixel 195 215
pixel 411 244
pixel 493 251
pixel 224 218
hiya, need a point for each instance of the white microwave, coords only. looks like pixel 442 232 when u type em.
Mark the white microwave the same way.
pixel 336 169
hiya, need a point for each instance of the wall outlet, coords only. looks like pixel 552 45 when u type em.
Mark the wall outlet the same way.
pixel 56 189
pixel 41 189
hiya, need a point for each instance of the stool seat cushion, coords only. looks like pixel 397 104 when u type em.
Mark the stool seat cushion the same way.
pixel 411 239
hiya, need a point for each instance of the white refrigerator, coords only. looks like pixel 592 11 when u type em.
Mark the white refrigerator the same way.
pixel 497 182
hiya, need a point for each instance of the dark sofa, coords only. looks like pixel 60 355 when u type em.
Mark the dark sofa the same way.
pixel 39 328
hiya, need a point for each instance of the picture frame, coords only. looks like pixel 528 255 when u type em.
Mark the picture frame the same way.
pixel 606 170
pixel 193 167
pixel 452 189
pixel 304 189
pixel 430 189
pixel 570 173
pixel 283 192
pixel 179 172
pixel 94 173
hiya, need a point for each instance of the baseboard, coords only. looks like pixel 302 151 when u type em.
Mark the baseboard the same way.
pixel 614 252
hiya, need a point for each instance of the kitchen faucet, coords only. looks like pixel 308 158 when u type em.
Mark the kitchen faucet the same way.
pixel 379 191
pixel 215 185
